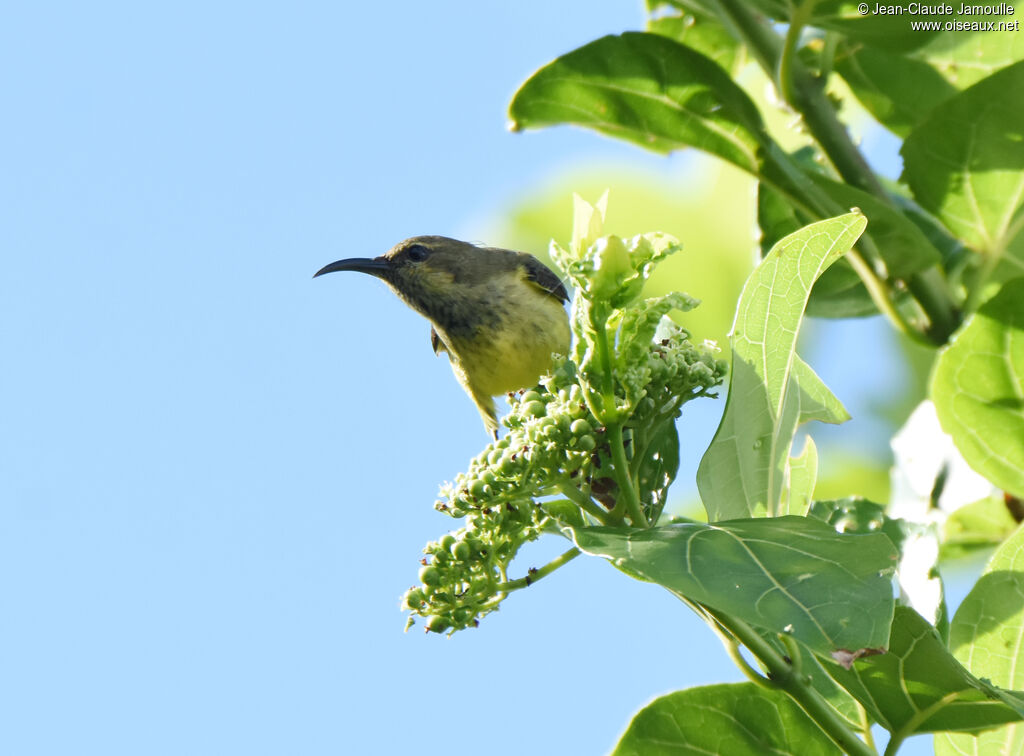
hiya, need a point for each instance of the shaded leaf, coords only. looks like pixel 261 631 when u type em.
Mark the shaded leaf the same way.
pixel 900 90
pixel 918 684
pixel 965 163
pixel 647 89
pixel 791 575
pixel 771 390
pixel 740 719
pixel 980 525
pixel 978 389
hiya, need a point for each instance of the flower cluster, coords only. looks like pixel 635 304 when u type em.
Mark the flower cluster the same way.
pixel 594 443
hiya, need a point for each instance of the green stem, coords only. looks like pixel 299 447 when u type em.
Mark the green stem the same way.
pixel 865 726
pixel 784 74
pixel 585 503
pixel 541 572
pixel 628 500
pixel 797 687
pixel 880 296
pixel 909 727
pixel 809 98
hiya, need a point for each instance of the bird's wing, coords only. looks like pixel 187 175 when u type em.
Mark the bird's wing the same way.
pixel 435 342
pixel 544 277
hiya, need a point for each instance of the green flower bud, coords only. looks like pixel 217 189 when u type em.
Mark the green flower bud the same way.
pixel 437 624
pixel 430 575
pixel 580 427
pixel 534 409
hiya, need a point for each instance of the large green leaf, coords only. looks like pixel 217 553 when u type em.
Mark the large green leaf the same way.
pixel 647 89
pixel 965 163
pixel 771 390
pixel 987 635
pixel 739 719
pixel 978 389
pixel 901 90
pixel 898 91
pixel 793 575
pixel 918 686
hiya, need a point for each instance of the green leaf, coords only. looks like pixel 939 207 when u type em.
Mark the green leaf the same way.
pixel 858 515
pixel 965 163
pixel 900 90
pixel 647 89
pixel 803 472
pixel 919 687
pixel 790 575
pixel 739 719
pixel 884 31
pixel 987 635
pixel 771 390
pixel 700 31
pixel 978 389
pixel 901 244
pixel 980 525
pixel 659 462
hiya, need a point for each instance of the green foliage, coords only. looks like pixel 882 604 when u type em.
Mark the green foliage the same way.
pixel 987 636
pixel 740 719
pixel 978 389
pixel 771 390
pixel 789 575
pixel 919 687
pixel 799 589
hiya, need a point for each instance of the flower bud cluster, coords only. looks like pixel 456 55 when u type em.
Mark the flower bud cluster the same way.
pixel 510 493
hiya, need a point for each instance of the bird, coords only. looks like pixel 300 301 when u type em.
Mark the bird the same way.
pixel 498 314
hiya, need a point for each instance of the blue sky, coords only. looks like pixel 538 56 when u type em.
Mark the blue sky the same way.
pixel 216 475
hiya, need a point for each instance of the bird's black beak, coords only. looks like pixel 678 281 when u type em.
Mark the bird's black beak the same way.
pixel 375 266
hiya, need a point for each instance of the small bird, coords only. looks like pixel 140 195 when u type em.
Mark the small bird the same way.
pixel 498 314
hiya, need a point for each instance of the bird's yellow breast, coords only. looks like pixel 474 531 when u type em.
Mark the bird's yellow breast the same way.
pixel 512 349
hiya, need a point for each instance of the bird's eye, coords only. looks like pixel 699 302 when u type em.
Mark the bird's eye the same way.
pixel 417 252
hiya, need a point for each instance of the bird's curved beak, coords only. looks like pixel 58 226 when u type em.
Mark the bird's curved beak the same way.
pixel 372 265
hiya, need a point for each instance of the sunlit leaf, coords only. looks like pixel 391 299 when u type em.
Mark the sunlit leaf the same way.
pixel 792 575
pixel 647 89
pixel 740 719
pixel 978 389
pixel 771 389
pixel 987 636
pixel 965 163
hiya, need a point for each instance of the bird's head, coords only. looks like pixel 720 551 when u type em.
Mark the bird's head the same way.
pixel 428 271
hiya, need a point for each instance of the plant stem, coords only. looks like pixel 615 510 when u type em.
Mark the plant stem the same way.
pixel 806 94
pixel 537 574
pixel 908 728
pixel 628 499
pixel 585 503
pixel 784 677
pixel 865 726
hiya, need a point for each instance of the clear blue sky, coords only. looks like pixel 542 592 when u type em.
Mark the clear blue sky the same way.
pixel 216 475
